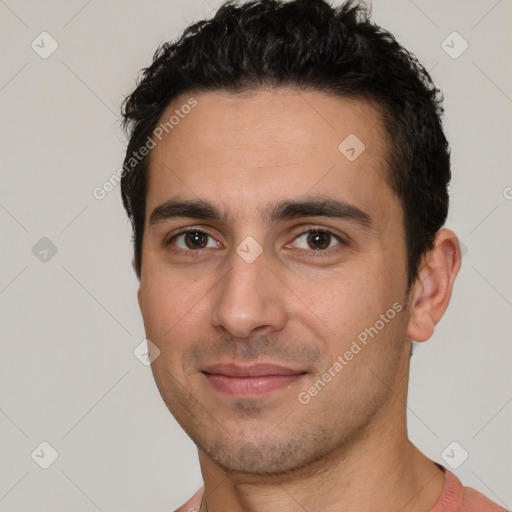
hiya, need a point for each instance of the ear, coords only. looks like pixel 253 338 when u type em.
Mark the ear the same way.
pixel 139 299
pixel 433 287
pixel 139 294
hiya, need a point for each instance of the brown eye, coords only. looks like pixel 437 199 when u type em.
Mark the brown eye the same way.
pixel 192 241
pixel 319 240
pixel 196 240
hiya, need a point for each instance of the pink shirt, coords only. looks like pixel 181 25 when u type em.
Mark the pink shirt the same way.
pixel 455 498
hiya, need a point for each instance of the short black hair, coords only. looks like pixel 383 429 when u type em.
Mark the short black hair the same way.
pixel 307 45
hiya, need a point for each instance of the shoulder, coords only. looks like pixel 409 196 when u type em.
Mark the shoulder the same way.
pixel 457 498
pixel 193 503
pixel 474 501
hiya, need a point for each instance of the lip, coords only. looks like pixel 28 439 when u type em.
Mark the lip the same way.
pixel 247 380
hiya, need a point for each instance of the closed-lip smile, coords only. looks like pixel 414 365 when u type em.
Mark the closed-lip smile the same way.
pixel 255 379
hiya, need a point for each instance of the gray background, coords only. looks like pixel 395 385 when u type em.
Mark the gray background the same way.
pixel 70 320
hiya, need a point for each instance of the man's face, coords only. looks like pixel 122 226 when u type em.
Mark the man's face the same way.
pixel 252 310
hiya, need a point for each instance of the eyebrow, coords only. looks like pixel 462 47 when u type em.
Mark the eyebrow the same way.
pixel 277 212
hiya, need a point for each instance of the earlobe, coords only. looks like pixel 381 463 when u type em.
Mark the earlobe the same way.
pixel 433 287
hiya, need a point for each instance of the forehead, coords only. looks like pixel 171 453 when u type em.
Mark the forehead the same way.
pixel 245 149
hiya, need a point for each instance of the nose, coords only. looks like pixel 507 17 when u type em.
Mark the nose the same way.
pixel 249 298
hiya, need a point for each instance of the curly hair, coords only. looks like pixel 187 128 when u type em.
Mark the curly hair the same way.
pixel 308 45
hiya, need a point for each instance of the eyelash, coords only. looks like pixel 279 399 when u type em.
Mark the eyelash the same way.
pixel 311 254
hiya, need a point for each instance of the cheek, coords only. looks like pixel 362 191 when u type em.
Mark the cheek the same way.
pixel 165 304
pixel 176 308
pixel 350 302
pixel 345 293
pixel 168 326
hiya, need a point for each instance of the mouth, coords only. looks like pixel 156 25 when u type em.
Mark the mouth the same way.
pixel 243 381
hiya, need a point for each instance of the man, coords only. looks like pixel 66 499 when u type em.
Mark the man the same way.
pixel 286 177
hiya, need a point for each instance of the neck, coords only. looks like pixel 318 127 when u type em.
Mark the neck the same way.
pixel 380 470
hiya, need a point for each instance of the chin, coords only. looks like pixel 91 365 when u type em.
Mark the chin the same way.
pixel 264 458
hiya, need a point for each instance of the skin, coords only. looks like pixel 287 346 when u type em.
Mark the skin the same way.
pixel 347 449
